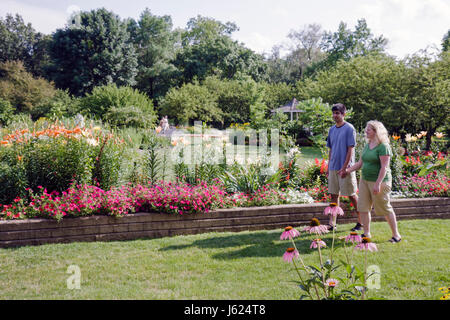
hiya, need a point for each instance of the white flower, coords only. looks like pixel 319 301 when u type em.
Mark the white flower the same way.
pixel 293 152
pixel 295 196
pixel 92 142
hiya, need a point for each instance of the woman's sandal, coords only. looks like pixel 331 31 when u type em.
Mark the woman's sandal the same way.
pixel 394 240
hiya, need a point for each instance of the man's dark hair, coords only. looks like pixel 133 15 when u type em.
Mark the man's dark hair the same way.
pixel 339 107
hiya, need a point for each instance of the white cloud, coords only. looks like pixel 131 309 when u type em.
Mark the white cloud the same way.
pixel 256 41
pixel 43 20
pixel 409 25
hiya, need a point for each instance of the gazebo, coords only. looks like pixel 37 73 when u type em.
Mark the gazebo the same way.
pixel 290 107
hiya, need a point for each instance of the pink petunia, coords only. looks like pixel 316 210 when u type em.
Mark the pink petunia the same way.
pixel 289 233
pixel 334 210
pixel 290 254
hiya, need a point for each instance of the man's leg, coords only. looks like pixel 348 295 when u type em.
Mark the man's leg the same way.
pixel 335 199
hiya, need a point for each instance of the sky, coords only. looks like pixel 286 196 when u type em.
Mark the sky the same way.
pixel 409 25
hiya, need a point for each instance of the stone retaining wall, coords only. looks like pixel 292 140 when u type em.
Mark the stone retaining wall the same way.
pixel 15 233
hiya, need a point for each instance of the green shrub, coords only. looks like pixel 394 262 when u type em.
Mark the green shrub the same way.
pixel 60 105
pixel 21 89
pixel 116 104
pixel 129 116
pixel 6 111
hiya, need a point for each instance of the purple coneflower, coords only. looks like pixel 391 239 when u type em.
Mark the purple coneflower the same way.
pixel 317 243
pixel 366 244
pixel 334 210
pixel 289 233
pixel 354 237
pixel 290 254
pixel 316 227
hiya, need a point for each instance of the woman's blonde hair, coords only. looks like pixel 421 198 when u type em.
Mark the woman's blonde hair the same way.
pixel 381 134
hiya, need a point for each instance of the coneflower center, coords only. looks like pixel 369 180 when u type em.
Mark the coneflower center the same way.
pixel 290 250
pixel 353 233
pixel 288 228
pixel 333 204
pixel 366 240
pixel 314 222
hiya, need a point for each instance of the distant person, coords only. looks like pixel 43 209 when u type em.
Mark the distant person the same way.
pixel 376 179
pixel 341 141
pixel 164 124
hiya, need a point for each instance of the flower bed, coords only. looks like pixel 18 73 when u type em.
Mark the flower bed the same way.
pixel 154 225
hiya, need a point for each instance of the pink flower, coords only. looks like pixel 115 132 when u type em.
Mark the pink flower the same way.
pixel 366 244
pixel 331 283
pixel 290 254
pixel 317 243
pixel 289 233
pixel 316 227
pixel 334 210
pixel 353 237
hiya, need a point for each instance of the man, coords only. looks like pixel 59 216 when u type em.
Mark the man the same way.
pixel 341 141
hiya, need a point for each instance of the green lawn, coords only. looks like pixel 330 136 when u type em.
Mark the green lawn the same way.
pixel 245 265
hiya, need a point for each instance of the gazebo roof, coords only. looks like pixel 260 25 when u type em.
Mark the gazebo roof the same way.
pixel 289 107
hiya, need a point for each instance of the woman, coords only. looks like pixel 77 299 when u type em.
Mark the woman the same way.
pixel 376 180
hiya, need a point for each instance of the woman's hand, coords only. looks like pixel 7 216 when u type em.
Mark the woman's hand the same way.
pixel 376 188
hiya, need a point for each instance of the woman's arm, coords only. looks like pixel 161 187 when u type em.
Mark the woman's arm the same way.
pixel 355 167
pixel 384 160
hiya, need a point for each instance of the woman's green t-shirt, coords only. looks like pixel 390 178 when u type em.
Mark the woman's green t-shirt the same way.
pixel 371 163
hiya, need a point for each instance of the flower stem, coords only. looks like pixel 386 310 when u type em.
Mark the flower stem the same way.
pixel 365 274
pixel 322 271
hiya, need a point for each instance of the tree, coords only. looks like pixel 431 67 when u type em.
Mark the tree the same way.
pixel 208 50
pixel 191 102
pixel 155 45
pixel 429 92
pixel 346 44
pixel 446 41
pixel 200 29
pixel 94 51
pixel 21 89
pixel 373 86
pixel 306 50
pixel 19 41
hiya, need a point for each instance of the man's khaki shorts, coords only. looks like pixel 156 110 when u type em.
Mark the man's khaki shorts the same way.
pixel 342 186
pixel 381 202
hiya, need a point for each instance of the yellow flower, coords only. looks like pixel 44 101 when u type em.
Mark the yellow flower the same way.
pixel 395 137
pixel 158 129
pixel 439 135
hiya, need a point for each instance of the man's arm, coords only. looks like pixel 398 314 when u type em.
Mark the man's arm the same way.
pixel 347 160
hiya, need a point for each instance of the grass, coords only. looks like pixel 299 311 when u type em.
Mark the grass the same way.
pixel 245 265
